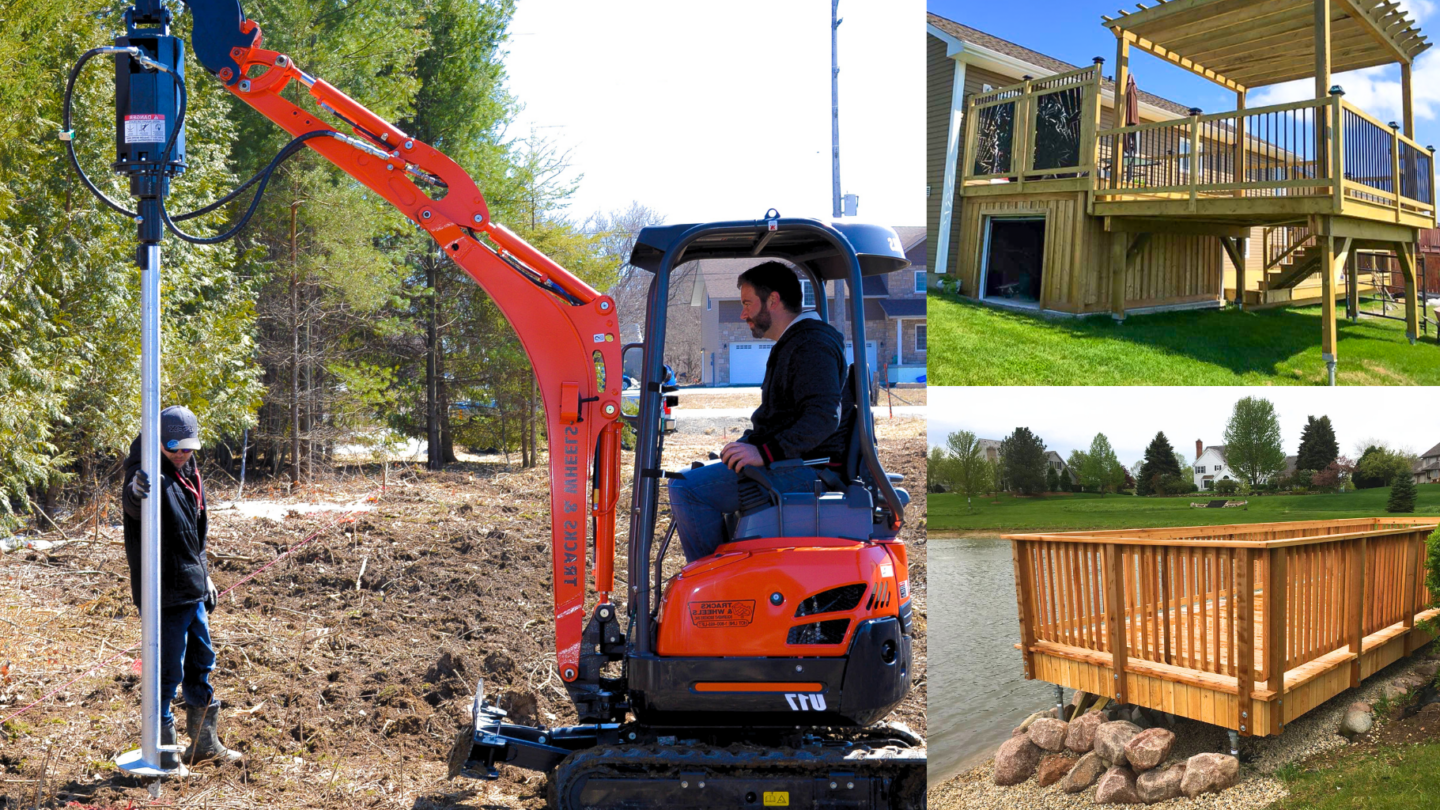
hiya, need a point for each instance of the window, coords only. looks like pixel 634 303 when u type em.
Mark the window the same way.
pixel 919 281
pixel 807 294
pixel 1218 468
pixel 1200 470
pixel 920 338
pixel 709 303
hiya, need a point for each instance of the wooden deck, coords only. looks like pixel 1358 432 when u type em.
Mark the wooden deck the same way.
pixel 1182 620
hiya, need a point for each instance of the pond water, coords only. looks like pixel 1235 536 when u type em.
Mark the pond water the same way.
pixel 978 691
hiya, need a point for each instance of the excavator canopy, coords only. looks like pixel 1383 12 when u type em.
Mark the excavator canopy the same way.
pixel 877 247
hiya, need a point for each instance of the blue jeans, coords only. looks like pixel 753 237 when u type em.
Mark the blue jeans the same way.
pixel 186 657
pixel 700 501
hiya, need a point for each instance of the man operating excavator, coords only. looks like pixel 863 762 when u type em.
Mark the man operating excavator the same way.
pixel 798 419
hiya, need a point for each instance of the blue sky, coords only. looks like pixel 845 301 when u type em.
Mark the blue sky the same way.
pixel 1071 30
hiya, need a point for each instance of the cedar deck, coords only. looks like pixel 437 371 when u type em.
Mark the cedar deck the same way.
pixel 1182 620
pixel 1163 189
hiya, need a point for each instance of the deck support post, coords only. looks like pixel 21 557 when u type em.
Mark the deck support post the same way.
pixel 1244 618
pixel 1025 601
pixel 1115 622
pixel 1059 702
pixel 1352 288
pixel 1412 290
pixel 1412 583
pixel 1355 607
pixel 1122 78
pixel 1275 651
pixel 1327 302
pixel 1232 248
pixel 1241 148
pixel 1234 743
pixel 1322 79
pixel 1123 251
pixel 1407 100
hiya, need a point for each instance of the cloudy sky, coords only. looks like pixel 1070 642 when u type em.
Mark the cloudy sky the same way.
pixel 1071 30
pixel 708 111
pixel 1068 418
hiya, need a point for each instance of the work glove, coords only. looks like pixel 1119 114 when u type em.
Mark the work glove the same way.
pixel 140 485
pixel 212 596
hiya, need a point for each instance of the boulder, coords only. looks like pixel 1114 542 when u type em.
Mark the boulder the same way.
pixel 1160 784
pixel 1412 680
pixel 1048 733
pixel 1025 724
pixel 1117 786
pixel 1356 723
pixel 1086 770
pixel 1149 748
pixel 1016 761
pixel 1067 711
pixel 1361 706
pixel 1209 773
pixel 1426 669
pixel 1110 741
pixel 1396 691
pixel 1080 734
pixel 1053 768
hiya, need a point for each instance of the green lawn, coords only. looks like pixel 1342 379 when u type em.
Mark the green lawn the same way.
pixel 1068 512
pixel 1389 778
pixel 978 345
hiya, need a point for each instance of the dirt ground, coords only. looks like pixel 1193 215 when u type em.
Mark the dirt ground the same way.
pixel 346 668
pixel 905 394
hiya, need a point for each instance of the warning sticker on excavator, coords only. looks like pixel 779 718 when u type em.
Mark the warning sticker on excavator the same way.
pixel 777 798
pixel 144 129
pixel 738 613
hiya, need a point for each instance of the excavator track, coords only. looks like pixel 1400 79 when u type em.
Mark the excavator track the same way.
pixel 636 776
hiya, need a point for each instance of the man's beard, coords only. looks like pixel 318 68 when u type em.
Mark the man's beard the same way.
pixel 760 323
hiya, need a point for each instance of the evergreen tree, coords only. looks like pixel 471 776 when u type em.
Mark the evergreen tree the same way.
pixel 1318 447
pixel 1052 479
pixel 1252 441
pixel 1023 455
pixel 1160 462
pixel 1402 495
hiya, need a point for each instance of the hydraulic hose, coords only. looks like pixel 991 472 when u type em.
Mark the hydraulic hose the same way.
pixel 262 177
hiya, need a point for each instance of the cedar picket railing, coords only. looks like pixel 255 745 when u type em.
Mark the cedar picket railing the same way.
pixel 1183 620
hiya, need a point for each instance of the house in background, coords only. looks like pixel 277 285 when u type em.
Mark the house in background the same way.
pixel 1427 468
pixel 1053 460
pixel 1211 467
pixel 894 317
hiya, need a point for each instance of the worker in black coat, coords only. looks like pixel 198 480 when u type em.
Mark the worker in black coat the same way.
pixel 187 594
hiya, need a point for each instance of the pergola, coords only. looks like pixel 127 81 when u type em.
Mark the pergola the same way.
pixel 1243 44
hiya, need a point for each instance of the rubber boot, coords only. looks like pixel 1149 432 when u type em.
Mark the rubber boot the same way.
pixel 204 740
pixel 169 760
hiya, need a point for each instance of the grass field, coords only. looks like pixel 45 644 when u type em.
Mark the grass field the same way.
pixel 1067 512
pixel 1402 777
pixel 979 345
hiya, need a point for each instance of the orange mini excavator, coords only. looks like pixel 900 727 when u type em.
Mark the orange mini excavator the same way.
pixel 758 676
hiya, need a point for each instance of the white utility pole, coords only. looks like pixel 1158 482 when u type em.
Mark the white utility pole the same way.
pixel 835 107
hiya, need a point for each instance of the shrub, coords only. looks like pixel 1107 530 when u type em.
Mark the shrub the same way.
pixel 1227 486
pixel 1402 495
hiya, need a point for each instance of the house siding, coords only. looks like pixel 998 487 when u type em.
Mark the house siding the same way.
pixel 940 84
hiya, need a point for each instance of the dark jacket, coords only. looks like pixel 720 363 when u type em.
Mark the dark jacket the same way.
pixel 182 530
pixel 799 413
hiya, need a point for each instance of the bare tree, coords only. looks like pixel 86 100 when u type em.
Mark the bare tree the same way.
pixel 617 232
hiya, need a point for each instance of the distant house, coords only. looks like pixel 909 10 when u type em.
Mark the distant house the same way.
pixel 1053 460
pixel 894 304
pixel 1427 469
pixel 1211 467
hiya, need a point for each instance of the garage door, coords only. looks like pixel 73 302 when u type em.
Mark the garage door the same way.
pixel 747 362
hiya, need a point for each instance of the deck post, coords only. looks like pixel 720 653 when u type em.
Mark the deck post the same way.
pixel 1355 605
pixel 1244 619
pixel 1352 288
pixel 1024 600
pixel 1412 290
pixel 1326 243
pixel 1115 621
pixel 1412 583
pixel 1337 146
pixel 1275 652
pixel 1395 167
pixel 1322 75
pixel 1023 135
pixel 1407 99
pixel 1232 247
pixel 1241 147
pixel 1122 78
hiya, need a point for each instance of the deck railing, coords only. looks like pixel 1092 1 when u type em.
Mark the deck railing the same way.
pixel 1048 130
pixel 1055 137
pixel 1251 611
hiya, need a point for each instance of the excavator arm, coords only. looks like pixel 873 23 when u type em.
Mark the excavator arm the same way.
pixel 570 331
